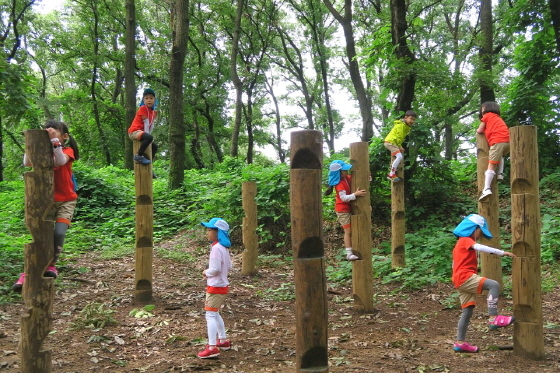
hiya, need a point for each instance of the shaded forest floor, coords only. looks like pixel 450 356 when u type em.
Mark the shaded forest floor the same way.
pixel 407 332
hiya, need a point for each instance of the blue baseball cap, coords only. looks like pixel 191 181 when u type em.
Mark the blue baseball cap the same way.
pixel 469 225
pixel 223 227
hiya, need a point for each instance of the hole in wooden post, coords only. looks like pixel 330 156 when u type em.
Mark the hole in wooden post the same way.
pixel 521 186
pixel 311 247
pixel 305 158
pixel 144 241
pixel 315 357
pixel 143 285
pixel 143 200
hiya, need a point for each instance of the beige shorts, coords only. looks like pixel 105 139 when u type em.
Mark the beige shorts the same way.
pixel 344 219
pixel 497 151
pixel 62 212
pixel 393 148
pixel 469 290
pixel 135 135
pixel 214 302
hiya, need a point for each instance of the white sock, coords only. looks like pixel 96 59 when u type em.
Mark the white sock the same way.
pixel 396 163
pixel 501 166
pixel 488 177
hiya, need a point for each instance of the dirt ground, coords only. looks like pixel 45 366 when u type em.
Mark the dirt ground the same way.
pixel 407 332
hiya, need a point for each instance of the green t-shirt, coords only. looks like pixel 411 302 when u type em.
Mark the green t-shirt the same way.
pixel 398 133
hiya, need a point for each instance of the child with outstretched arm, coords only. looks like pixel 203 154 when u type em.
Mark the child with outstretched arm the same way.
pixel 467 281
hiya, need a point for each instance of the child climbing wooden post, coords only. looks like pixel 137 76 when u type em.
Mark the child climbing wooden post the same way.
pixel 38 291
pixel 308 251
pixel 398 223
pixel 490 265
pixel 362 270
pixel 528 340
pixel 250 238
pixel 144 228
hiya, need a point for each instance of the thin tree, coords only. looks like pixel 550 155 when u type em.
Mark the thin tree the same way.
pixel 177 131
pixel 485 51
pixel 237 83
pixel 130 85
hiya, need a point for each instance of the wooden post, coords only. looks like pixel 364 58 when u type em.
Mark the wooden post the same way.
pixel 362 270
pixel 250 238
pixel 491 265
pixel 528 340
pixel 308 251
pixel 38 291
pixel 398 222
pixel 144 228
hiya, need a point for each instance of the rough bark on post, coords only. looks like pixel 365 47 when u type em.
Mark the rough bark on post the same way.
pixel 144 228
pixel 528 340
pixel 398 222
pixel 308 251
pixel 362 270
pixel 250 238
pixel 491 265
pixel 38 291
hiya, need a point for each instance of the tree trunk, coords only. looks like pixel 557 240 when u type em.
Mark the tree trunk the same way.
pixel 180 23
pixel 555 15
pixel 363 98
pixel 485 52
pixel 237 83
pixel 129 84
pixel 277 121
pixel 402 51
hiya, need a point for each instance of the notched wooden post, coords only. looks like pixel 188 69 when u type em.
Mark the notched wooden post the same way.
pixel 144 228
pixel 38 291
pixel 398 222
pixel 528 339
pixel 308 251
pixel 250 238
pixel 362 270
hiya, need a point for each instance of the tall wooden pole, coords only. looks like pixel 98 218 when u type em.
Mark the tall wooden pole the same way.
pixel 528 340
pixel 250 238
pixel 491 265
pixel 362 270
pixel 398 222
pixel 38 291
pixel 144 228
pixel 308 251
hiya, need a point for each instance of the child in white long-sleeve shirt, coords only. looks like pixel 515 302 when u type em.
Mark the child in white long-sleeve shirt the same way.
pixel 217 286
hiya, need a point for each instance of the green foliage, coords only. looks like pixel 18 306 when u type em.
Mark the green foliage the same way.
pixel 285 292
pixel 94 316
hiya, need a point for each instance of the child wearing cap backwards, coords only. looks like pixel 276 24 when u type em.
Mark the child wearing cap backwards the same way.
pixel 142 126
pixel 395 138
pixel 340 180
pixel 217 286
pixel 467 281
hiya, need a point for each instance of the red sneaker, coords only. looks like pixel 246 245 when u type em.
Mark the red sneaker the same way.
pixel 225 345
pixel 51 272
pixel 19 284
pixel 209 352
pixel 393 178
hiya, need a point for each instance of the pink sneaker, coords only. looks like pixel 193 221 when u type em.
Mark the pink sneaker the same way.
pixel 209 352
pixel 225 345
pixel 464 347
pixel 51 272
pixel 501 321
pixel 19 284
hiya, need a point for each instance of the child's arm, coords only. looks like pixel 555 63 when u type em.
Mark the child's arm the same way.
pixel 491 250
pixel 350 197
pixel 480 128
pixel 214 267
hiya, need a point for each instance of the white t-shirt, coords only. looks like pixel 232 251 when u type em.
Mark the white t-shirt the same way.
pixel 218 266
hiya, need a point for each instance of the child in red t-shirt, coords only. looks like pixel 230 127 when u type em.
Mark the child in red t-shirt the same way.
pixel 340 180
pixel 65 152
pixel 467 281
pixel 142 126
pixel 497 134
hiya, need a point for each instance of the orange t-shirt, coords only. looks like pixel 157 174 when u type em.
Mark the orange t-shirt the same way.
pixel 63 184
pixel 465 263
pixel 495 129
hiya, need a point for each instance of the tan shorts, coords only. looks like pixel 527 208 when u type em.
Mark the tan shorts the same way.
pixel 214 302
pixel 62 212
pixel 344 219
pixel 393 148
pixel 135 135
pixel 469 290
pixel 497 151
